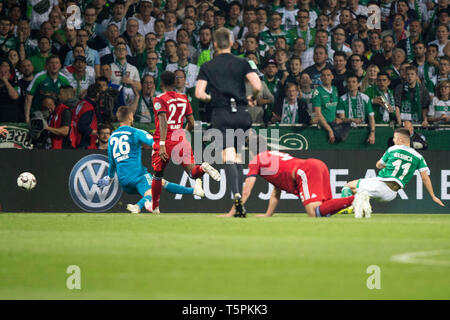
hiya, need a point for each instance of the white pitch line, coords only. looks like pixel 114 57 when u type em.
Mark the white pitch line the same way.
pixel 421 258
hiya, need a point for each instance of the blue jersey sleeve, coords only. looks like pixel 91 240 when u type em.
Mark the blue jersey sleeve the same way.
pixel 144 137
pixel 112 163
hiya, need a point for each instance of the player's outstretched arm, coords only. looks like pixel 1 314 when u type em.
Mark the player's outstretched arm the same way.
pixel 380 165
pixel 200 91
pixel 144 137
pixel 134 105
pixel 248 187
pixel 273 203
pixel 190 123
pixel 163 135
pixel 246 192
pixel 427 182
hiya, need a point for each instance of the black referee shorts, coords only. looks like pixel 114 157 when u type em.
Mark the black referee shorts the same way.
pixel 223 119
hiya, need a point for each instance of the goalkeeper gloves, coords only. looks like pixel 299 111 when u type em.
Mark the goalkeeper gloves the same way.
pixel 105 181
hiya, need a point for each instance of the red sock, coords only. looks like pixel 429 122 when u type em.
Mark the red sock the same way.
pixel 334 205
pixel 156 192
pixel 197 172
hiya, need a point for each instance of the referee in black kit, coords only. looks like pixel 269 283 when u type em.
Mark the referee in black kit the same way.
pixel 224 79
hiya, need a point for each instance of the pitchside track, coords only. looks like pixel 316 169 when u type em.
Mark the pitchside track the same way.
pixel 202 256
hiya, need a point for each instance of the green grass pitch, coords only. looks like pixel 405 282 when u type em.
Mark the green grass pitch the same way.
pixel 203 256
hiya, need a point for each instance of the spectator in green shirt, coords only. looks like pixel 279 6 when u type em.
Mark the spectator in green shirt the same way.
pixel 325 100
pixel 355 107
pixel 45 83
pixel 7 40
pixel 39 59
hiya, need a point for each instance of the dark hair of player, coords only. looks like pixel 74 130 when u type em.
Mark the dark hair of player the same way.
pixel 168 79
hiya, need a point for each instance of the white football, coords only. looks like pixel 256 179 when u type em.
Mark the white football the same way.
pixel 26 181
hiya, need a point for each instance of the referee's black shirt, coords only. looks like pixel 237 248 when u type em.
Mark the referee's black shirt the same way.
pixel 225 74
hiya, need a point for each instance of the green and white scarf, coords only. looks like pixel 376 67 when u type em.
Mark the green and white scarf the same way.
pixel 391 101
pixel 426 75
pixel 289 114
pixel 410 108
pixel 78 81
pixel 308 36
pixel 418 11
pixel 122 67
pixel 409 50
pixel 307 97
pixel 359 111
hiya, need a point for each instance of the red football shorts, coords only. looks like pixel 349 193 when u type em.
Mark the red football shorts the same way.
pixel 313 181
pixel 180 152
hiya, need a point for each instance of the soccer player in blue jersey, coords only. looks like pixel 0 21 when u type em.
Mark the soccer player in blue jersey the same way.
pixel 124 153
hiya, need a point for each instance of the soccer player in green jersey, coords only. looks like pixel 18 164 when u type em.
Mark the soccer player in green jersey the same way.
pixel 397 166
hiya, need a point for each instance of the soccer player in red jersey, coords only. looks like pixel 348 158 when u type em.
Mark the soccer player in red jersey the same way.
pixel 308 179
pixel 170 109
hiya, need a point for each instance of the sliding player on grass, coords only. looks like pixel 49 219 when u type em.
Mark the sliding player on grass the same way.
pixel 170 109
pixel 308 179
pixel 397 166
pixel 124 153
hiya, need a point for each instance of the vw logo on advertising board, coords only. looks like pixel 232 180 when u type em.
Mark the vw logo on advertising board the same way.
pixel 84 190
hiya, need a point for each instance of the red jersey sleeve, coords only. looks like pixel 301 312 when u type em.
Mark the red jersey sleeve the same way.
pixel 253 167
pixel 159 105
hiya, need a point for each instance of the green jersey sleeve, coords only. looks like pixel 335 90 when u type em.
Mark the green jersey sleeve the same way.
pixel 423 165
pixel 34 84
pixel 384 159
pixel 316 100
pixel 369 109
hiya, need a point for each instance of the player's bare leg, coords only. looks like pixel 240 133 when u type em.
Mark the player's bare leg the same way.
pixel 311 208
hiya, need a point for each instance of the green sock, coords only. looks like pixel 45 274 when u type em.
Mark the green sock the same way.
pixel 346 192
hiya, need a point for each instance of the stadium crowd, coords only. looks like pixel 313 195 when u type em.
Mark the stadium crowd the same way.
pixel 66 66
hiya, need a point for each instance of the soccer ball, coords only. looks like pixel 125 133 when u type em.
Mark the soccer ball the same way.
pixel 26 181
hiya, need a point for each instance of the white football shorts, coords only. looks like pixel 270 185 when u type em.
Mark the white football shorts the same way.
pixel 376 189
